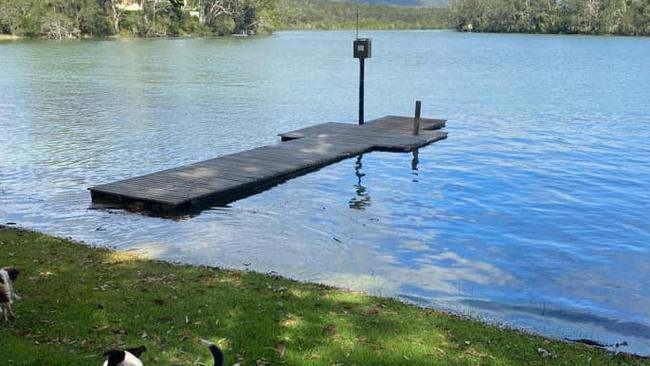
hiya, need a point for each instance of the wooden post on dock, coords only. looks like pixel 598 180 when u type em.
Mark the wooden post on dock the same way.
pixel 416 120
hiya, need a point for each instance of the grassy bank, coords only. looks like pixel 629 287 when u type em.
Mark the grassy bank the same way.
pixel 78 301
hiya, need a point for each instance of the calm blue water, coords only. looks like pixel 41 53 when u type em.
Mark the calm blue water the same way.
pixel 534 212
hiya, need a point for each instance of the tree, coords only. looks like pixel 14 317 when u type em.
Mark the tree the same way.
pixel 553 16
pixel 116 13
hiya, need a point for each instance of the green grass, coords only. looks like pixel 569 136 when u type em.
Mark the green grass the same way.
pixel 79 301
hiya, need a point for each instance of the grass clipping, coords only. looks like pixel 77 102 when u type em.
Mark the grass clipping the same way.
pixel 80 301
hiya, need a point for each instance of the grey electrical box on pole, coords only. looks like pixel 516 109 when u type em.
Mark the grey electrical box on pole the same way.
pixel 362 50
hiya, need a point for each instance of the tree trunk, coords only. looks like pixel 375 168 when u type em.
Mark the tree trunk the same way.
pixel 201 13
pixel 143 9
pixel 116 18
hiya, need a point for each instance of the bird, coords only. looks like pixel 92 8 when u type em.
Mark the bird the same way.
pixel 217 355
pixel 127 357
pixel 131 356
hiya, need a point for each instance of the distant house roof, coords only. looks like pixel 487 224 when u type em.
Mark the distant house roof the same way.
pixel 129 5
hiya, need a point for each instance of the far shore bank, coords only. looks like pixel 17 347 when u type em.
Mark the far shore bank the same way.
pixel 10 37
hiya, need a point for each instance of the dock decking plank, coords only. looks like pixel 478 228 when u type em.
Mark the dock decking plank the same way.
pixel 301 150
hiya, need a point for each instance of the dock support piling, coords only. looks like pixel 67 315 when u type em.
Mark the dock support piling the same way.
pixel 416 120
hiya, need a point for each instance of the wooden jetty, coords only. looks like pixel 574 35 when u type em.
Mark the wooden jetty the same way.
pixel 230 177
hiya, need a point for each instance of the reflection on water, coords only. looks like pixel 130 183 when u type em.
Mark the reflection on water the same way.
pixel 533 212
pixel 362 198
pixel 415 161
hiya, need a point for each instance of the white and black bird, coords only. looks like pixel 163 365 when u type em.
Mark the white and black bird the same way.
pixel 127 357
pixel 131 356
pixel 217 355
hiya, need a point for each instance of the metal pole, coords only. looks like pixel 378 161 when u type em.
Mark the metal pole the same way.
pixel 361 77
pixel 357 36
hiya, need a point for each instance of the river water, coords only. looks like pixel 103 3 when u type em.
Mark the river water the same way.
pixel 535 212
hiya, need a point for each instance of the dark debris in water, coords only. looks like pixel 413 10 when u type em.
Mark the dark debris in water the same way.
pixel 588 342
pixel 592 343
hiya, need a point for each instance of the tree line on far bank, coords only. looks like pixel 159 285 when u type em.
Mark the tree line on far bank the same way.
pixel 616 17
pixel 319 14
pixel 60 19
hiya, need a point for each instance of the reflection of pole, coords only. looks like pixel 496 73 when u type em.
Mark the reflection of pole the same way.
pixel 361 199
pixel 416 159
pixel 361 77
pixel 357 169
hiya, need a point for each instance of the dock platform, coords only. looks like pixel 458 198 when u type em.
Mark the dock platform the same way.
pixel 230 177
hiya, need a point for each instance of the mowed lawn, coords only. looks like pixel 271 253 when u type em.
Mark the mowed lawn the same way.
pixel 79 301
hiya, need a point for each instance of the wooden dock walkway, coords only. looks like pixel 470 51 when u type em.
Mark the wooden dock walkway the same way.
pixel 230 177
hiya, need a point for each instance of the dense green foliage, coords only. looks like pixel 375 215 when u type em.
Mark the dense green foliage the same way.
pixel 621 17
pixel 438 3
pixel 325 14
pixel 78 301
pixel 60 19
